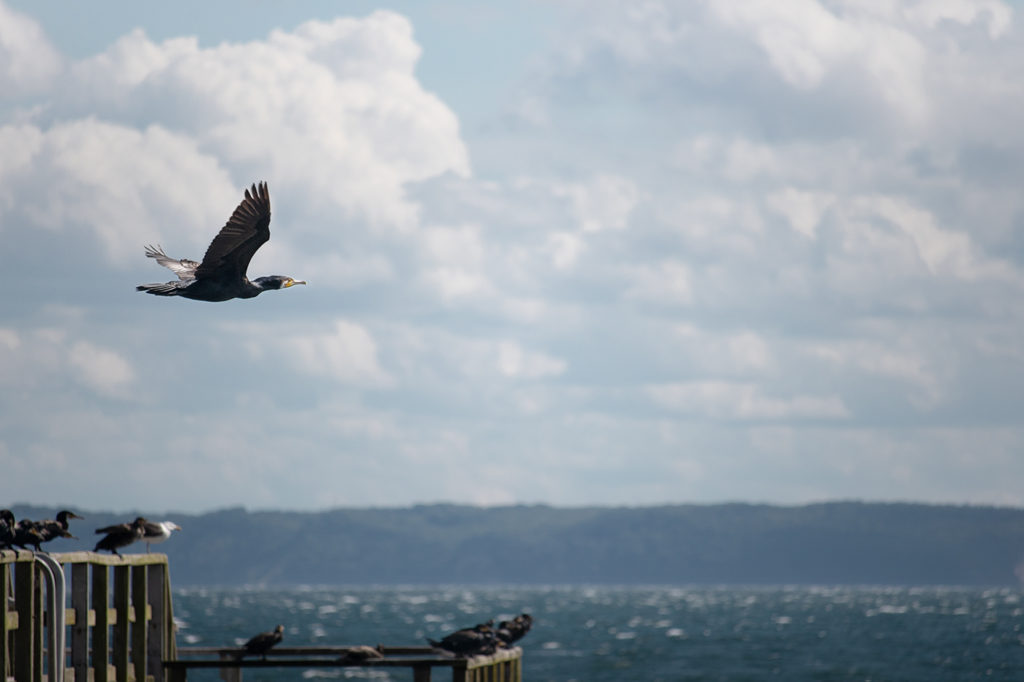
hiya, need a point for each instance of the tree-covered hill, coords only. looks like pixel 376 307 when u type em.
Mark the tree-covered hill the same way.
pixel 832 543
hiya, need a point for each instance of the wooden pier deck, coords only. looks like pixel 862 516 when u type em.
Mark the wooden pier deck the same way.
pixel 86 617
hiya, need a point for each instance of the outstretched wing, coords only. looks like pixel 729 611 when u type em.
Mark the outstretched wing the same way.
pixel 247 230
pixel 184 268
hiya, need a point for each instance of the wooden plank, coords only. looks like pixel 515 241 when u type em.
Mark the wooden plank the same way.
pixel 155 625
pixel 101 618
pixel 421 673
pixel 140 629
pixel 24 641
pixel 80 629
pixel 5 623
pixel 122 627
pixel 94 558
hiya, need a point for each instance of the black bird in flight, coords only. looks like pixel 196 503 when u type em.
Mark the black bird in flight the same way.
pixel 221 276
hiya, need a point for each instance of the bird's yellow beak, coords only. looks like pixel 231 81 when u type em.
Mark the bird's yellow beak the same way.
pixel 293 282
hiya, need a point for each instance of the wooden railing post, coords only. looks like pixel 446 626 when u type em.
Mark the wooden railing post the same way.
pixel 156 638
pixel 122 623
pixel 101 629
pixel 140 627
pixel 24 637
pixel 80 630
pixel 5 630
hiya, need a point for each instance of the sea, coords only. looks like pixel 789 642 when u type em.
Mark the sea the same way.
pixel 646 634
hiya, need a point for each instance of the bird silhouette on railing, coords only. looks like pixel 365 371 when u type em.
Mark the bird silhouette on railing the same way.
pixel 120 535
pixel 259 645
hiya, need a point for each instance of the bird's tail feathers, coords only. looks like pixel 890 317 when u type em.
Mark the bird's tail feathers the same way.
pixel 164 289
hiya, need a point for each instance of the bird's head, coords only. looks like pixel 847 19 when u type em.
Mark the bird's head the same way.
pixel 272 282
pixel 65 515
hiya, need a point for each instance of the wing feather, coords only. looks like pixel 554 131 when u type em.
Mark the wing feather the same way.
pixel 247 230
pixel 184 268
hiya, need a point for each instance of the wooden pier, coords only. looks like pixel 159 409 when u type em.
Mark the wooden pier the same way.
pixel 503 666
pixel 119 615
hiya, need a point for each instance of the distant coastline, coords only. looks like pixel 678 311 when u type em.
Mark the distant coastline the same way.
pixel 834 543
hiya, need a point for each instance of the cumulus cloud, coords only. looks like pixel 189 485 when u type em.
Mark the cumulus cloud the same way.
pixel 149 139
pixel 28 61
pixel 347 353
pixel 742 400
pixel 785 235
pixel 101 369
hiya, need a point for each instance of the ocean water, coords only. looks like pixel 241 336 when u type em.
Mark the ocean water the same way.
pixel 605 634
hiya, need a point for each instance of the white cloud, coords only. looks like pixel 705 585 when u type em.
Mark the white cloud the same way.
pixel 803 210
pixel 726 354
pixel 28 61
pixel 147 139
pixel 743 401
pixel 347 354
pixel 102 369
pixel 668 282
pixel 127 187
pixel 515 362
pixel 605 203
pixel 784 235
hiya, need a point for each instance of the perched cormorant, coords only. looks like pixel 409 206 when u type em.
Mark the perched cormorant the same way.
pixel 361 653
pixel 260 644
pixel 157 532
pixel 510 631
pixel 26 533
pixel 50 529
pixel 120 535
pixel 477 640
pixel 7 526
pixel 221 276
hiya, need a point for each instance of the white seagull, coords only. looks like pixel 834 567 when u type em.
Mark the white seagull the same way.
pixel 158 532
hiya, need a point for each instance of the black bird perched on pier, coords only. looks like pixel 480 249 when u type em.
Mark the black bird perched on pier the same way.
pixel 477 640
pixel 260 644
pixel 362 653
pixel 222 274
pixel 51 530
pixel 17 534
pixel 7 526
pixel 153 533
pixel 120 535
pixel 510 631
pixel 26 533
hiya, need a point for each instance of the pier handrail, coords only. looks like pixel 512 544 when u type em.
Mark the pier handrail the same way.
pixel 503 666
pixel 120 616
pixel 121 621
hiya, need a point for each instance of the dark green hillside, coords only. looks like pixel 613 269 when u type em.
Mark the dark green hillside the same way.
pixel 833 543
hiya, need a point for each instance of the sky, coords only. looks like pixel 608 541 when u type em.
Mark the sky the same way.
pixel 571 253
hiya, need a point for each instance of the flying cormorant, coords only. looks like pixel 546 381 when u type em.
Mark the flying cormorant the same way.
pixel 260 644
pixel 120 535
pixel 221 275
pixel 154 533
